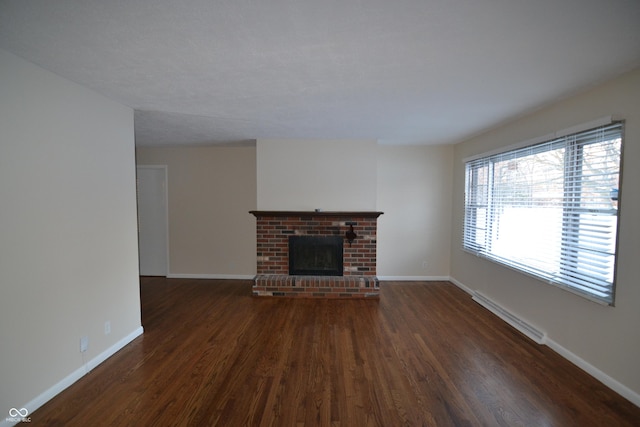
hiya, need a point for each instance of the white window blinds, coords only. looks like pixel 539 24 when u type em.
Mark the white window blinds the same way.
pixel 550 210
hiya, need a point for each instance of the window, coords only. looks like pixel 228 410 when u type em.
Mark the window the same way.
pixel 550 210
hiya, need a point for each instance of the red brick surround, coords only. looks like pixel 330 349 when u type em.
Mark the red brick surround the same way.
pixel 359 258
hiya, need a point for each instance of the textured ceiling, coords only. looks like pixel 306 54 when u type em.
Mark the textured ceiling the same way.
pixel 402 71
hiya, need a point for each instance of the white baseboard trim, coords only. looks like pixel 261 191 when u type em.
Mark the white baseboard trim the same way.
pixel 415 278
pixel 605 379
pixel 461 285
pixel 613 384
pixel 211 276
pixel 114 348
pixel 67 381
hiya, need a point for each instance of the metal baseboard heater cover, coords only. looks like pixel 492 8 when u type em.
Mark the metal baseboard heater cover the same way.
pixel 527 329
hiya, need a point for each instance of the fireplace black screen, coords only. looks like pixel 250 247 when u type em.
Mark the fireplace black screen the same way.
pixel 315 255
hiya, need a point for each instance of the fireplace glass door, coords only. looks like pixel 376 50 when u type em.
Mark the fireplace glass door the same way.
pixel 315 255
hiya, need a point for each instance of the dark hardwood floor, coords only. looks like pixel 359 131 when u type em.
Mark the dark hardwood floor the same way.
pixel 423 355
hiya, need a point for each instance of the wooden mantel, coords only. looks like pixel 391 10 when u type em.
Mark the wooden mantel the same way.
pixel 361 214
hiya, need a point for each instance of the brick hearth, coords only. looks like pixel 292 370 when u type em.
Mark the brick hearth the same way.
pixel 359 258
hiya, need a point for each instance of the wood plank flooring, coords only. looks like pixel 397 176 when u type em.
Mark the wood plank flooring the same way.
pixel 423 355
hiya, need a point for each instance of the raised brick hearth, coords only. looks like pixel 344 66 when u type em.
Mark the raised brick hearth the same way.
pixel 359 257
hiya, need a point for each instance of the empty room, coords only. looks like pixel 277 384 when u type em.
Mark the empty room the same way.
pixel 319 213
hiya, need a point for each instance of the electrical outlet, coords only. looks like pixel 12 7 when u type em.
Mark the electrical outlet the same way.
pixel 425 264
pixel 107 327
pixel 84 343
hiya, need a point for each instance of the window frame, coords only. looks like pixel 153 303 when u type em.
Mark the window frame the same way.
pixel 477 198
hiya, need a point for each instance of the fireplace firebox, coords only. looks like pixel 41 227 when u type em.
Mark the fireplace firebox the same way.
pixel 316 255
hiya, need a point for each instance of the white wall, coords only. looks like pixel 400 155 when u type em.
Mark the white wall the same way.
pixel 410 184
pixel 333 175
pixel 68 240
pixel 605 340
pixel 211 191
pixel 414 192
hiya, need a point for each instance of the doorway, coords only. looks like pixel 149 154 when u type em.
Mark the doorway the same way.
pixel 153 220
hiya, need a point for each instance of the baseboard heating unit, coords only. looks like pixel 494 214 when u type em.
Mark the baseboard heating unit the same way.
pixel 530 331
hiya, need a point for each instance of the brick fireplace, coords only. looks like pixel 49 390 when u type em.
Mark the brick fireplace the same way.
pixel 358 279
